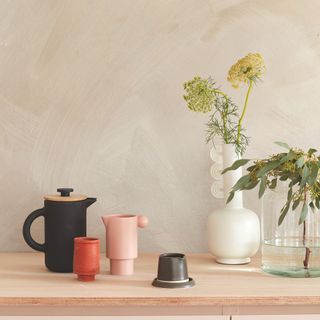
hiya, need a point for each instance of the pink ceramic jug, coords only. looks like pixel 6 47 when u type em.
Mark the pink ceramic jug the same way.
pixel 122 241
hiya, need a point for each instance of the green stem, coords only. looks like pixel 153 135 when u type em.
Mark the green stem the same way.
pixel 222 93
pixel 223 116
pixel 244 110
pixel 308 251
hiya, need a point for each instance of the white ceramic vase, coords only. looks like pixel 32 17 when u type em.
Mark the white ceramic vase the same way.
pixel 233 232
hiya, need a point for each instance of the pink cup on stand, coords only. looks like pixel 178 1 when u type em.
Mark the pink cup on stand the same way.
pixel 122 241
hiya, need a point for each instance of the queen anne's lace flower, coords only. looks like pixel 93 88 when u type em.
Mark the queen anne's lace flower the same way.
pixel 200 94
pixel 249 68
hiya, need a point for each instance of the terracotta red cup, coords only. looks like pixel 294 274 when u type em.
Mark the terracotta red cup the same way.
pixel 86 258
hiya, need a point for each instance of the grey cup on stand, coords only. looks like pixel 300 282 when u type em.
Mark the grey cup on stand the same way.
pixel 173 272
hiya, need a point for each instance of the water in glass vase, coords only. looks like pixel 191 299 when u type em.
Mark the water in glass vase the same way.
pixel 291 257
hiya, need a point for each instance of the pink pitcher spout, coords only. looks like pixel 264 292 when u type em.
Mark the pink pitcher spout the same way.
pixel 105 220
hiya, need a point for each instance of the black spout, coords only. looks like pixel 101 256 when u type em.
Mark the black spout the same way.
pixel 90 201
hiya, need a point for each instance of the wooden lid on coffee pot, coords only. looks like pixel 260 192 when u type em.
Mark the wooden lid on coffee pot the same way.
pixel 65 196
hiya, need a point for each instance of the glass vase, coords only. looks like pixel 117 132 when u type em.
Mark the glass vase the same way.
pixel 291 249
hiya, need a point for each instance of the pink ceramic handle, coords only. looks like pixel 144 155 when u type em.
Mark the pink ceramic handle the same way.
pixel 143 221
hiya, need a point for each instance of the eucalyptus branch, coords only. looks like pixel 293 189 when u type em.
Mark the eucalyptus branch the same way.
pixel 302 172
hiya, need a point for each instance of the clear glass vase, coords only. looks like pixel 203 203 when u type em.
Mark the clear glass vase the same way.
pixel 290 250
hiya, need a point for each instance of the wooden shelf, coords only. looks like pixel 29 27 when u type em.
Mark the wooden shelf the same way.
pixel 26 282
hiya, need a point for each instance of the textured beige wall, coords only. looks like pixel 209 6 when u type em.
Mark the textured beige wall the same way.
pixel 90 97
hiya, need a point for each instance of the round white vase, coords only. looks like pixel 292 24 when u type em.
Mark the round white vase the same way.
pixel 233 232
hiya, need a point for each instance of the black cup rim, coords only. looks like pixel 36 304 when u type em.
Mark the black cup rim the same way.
pixel 172 255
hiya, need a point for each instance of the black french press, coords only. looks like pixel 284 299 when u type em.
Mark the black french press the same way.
pixel 64 219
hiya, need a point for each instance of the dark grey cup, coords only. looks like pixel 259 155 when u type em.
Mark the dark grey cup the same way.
pixel 173 272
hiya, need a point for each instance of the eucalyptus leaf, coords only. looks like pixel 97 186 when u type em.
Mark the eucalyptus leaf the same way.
pixel 304 175
pixel 282 144
pixel 311 205
pixel 294 181
pixel 300 161
pixel 288 157
pixel 268 167
pixel 289 196
pixel 263 184
pixel 231 195
pixel 251 185
pixel 237 164
pixel 313 173
pixel 241 183
pixel 284 212
pixel 251 168
pixel 311 151
pixel 273 183
pixel 304 213
pixel 317 202
pixel 284 177
pixel 295 204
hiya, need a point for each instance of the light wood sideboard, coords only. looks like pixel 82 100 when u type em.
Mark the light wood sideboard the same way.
pixel 242 292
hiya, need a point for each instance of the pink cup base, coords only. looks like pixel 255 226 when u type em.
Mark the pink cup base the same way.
pixel 121 267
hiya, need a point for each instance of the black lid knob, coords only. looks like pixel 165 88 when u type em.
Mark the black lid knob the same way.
pixel 65 192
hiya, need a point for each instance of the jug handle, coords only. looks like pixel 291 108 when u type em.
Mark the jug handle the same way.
pixel 26 230
pixel 143 221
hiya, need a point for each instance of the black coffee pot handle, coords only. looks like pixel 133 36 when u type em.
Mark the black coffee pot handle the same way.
pixel 26 230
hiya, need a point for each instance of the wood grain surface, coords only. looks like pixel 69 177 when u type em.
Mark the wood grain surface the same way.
pixel 24 280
